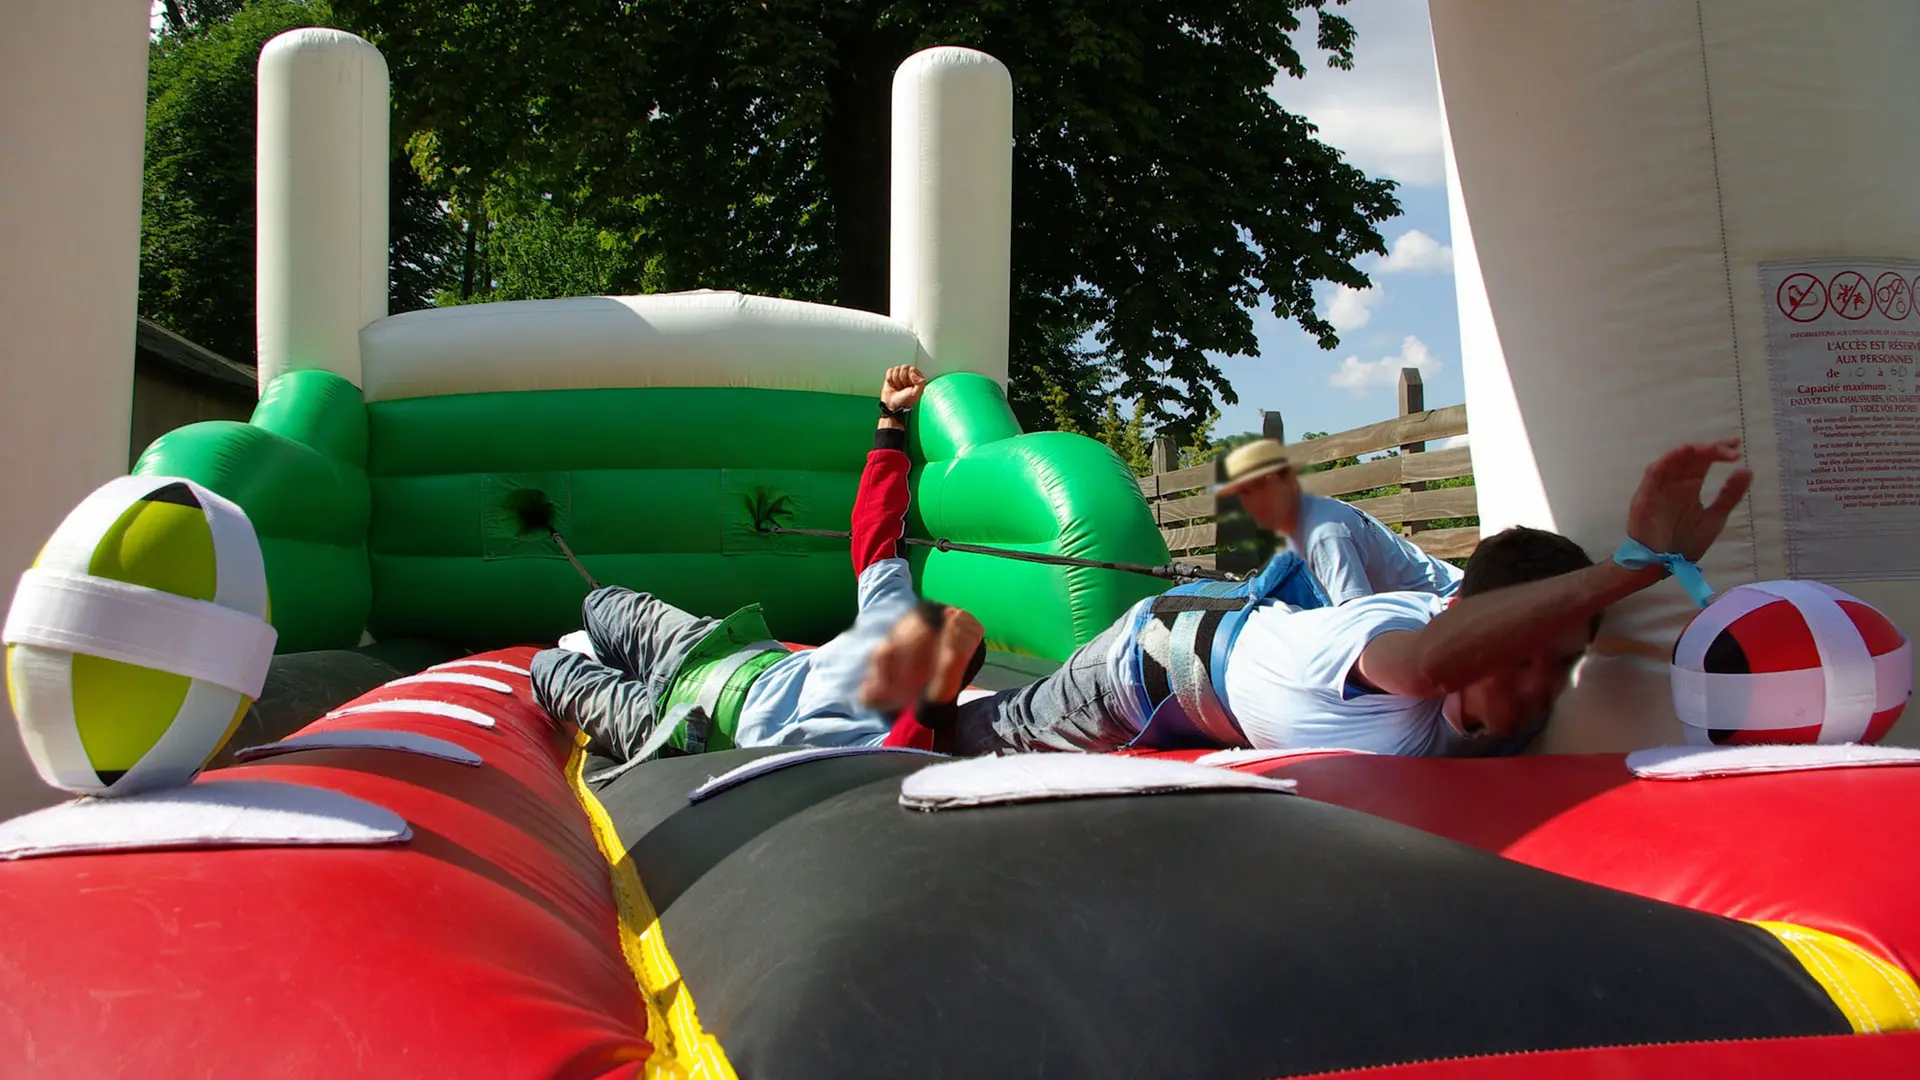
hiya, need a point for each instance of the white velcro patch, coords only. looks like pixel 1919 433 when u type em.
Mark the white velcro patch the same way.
pixel 1699 763
pixel 1229 759
pixel 491 665
pixel 454 678
pixel 231 813
pixel 1017 778
pixel 734 777
pixel 444 709
pixel 406 742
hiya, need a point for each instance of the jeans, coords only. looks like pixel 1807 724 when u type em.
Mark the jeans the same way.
pixel 642 642
pixel 1077 708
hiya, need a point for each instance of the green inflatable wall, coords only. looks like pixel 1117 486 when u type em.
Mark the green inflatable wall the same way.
pixel 418 518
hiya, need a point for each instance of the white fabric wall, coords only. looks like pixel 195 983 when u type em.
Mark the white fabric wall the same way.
pixel 73 97
pixel 701 338
pixel 953 207
pixel 1619 168
pixel 322 209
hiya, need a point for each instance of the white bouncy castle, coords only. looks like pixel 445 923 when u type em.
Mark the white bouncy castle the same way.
pixel 1618 174
pixel 1624 177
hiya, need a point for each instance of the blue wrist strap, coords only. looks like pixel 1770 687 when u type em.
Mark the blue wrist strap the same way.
pixel 1635 555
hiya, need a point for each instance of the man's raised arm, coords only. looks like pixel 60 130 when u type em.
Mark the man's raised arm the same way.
pixel 880 507
pixel 1481 634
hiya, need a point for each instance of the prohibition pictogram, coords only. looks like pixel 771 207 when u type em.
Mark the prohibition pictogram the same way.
pixel 1892 296
pixel 1849 295
pixel 1802 298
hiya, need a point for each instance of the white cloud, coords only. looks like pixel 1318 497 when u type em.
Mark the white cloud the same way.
pixel 1350 309
pixel 1451 442
pixel 1357 374
pixel 1385 113
pixel 1414 250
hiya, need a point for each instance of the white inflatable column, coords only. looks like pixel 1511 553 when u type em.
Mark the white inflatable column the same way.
pixel 322 213
pixel 73 104
pixel 1619 170
pixel 953 208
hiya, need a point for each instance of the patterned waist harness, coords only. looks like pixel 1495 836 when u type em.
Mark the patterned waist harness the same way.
pixel 709 689
pixel 1181 640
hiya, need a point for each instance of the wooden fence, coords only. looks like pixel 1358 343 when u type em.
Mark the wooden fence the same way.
pixel 1192 520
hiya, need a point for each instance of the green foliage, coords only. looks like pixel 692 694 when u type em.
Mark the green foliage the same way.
pixel 197 202
pixel 182 18
pixel 1201 447
pixel 1127 437
pixel 1159 191
pixel 538 253
pixel 423 242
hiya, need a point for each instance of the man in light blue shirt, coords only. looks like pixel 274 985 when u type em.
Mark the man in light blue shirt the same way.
pixel 1396 672
pixel 1351 553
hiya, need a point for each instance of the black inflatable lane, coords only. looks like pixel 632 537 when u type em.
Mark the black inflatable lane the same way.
pixel 826 932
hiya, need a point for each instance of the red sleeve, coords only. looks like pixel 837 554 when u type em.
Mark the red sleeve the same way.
pixel 880 509
pixel 909 731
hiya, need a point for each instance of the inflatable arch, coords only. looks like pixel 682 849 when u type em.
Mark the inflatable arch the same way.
pixel 393 459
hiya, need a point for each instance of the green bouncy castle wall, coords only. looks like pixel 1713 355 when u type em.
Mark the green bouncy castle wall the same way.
pixel 407 517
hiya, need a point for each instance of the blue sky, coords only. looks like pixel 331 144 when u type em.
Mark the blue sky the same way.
pixel 1384 115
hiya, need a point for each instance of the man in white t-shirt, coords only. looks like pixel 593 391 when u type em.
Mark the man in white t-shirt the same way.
pixel 1397 673
pixel 1350 552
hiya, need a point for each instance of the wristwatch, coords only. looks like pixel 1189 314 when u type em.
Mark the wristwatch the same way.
pixel 894 414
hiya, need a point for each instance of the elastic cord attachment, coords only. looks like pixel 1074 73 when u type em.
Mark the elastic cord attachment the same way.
pixel 1634 555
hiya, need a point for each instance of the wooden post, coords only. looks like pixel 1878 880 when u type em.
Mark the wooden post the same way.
pixel 1164 456
pixel 1413 399
pixel 1272 428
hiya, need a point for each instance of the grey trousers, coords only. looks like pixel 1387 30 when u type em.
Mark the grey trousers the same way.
pixel 1077 708
pixel 643 641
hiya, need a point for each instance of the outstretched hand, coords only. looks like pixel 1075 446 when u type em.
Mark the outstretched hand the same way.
pixel 959 637
pixel 1667 514
pixel 902 387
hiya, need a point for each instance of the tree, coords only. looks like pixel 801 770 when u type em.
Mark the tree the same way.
pixel 1159 191
pixel 197 200
pixel 182 18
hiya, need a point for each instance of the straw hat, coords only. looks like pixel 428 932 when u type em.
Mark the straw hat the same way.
pixel 1262 457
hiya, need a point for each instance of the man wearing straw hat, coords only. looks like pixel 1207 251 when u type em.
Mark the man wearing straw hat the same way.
pixel 1350 553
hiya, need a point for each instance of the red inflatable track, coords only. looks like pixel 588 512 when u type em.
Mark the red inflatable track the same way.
pixel 1822 848
pixel 1855 1057
pixel 486 946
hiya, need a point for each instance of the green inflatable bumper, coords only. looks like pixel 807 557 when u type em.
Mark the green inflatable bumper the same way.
pixel 424 517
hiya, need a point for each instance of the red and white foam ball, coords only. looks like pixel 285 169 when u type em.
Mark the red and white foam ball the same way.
pixel 1790 662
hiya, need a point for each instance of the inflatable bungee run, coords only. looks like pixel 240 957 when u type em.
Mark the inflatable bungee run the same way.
pixel 401 866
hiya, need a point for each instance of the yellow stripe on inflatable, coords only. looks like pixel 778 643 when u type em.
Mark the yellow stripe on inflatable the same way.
pixel 680 1047
pixel 1876 996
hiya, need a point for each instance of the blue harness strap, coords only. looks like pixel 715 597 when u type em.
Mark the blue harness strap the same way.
pixel 1181 642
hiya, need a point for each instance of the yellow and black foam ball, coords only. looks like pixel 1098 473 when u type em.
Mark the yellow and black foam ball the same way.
pixel 101 714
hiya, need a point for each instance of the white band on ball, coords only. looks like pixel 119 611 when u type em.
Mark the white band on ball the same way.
pixel 96 616
pixel 1779 700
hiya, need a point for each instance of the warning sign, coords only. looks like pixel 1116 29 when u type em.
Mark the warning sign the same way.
pixel 1842 346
